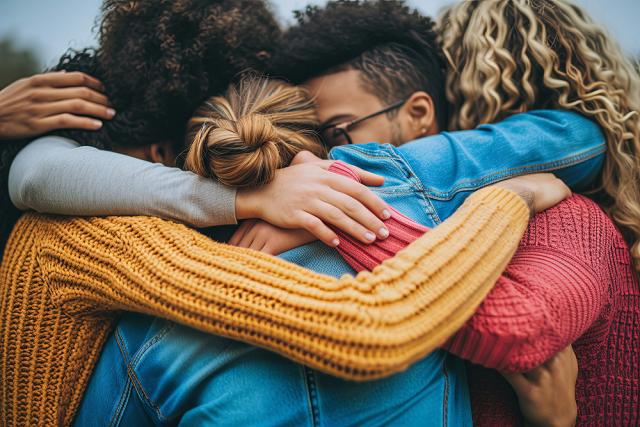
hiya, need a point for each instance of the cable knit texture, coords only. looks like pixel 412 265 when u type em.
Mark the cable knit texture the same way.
pixel 571 281
pixel 65 279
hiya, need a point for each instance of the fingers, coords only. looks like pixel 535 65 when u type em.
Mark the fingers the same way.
pixel 67 79
pixel 368 178
pixel 77 107
pixel 337 217
pixel 242 230
pixel 352 217
pixel 60 94
pixel 67 121
pixel 361 194
pixel 316 227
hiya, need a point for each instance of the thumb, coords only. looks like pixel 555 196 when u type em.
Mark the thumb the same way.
pixel 368 178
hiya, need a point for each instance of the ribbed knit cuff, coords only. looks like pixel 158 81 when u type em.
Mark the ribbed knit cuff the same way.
pixel 361 256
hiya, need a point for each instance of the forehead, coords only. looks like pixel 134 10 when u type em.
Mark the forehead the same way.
pixel 341 95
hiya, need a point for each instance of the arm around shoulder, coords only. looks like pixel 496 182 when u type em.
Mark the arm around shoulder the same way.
pixel 57 175
pixel 362 327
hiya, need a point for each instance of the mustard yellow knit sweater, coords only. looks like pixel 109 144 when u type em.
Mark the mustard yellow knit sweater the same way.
pixel 64 280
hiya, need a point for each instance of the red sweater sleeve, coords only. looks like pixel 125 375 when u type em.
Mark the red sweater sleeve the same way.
pixel 543 302
pixel 548 296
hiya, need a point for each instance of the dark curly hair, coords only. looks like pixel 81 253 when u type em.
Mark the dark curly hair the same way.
pixel 393 45
pixel 159 59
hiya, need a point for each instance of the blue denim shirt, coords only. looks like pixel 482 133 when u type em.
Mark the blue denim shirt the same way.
pixel 152 371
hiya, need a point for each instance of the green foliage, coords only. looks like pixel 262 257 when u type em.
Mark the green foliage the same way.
pixel 16 62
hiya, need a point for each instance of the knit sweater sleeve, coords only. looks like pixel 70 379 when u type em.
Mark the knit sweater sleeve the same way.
pixel 360 328
pixel 550 294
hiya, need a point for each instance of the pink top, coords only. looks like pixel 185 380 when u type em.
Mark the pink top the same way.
pixel 571 281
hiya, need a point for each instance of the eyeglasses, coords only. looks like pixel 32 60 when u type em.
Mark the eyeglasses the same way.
pixel 338 133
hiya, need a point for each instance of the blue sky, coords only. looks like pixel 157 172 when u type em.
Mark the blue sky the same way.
pixel 52 26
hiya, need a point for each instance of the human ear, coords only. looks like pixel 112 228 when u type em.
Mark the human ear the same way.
pixel 419 116
pixel 161 152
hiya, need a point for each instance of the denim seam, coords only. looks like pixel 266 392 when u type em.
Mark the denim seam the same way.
pixel 144 396
pixel 416 184
pixel 126 394
pixel 429 209
pixel 445 400
pixel 407 171
pixel 396 189
pixel 471 185
pixel 122 403
pixel 122 346
pixel 312 395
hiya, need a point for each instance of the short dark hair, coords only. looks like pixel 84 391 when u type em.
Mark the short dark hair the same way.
pixel 394 47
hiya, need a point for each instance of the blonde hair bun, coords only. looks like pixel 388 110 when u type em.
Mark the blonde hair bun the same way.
pixel 257 127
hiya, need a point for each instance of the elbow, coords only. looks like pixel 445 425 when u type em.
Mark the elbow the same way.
pixel 24 190
pixel 502 348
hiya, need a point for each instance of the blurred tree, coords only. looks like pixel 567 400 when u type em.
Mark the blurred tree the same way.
pixel 16 62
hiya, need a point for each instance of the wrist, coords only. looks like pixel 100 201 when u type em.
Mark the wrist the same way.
pixel 245 204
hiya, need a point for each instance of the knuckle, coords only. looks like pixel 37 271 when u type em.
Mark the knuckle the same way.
pixel 313 223
pixel 77 105
pixel 33 96
pixel 351 207
pixel 64 120
pixel 36 80
pixel 334 215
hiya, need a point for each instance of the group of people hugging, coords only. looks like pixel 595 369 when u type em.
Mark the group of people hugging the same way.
pixel 366 218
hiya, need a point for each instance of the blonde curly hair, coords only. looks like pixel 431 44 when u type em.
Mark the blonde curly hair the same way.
pixel 510 56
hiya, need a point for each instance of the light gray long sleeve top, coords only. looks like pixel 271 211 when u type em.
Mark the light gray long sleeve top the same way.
pixel 57 175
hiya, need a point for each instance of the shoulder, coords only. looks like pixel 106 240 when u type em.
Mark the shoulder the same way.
pixel 577 227
pixel 54 141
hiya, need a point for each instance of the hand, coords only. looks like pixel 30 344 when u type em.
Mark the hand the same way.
pixel 541 191
pixel 39 104
pixel 306 195
pixel 547 394
pixel 264 237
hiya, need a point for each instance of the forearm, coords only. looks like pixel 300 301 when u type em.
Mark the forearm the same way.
pixel 56 175
pixel 565 143
pixel 532 313
pixel 362 327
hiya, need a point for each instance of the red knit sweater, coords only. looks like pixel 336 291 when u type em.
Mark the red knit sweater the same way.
pixel 571 281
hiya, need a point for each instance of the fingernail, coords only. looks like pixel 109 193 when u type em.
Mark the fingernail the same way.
pixel 386 214
pixel 111 112
pixel 383 232
pixel 96 124
pixel 335 242
pixel 369 236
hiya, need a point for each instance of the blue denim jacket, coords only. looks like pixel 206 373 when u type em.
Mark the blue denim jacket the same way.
pixel 153 371
pixel 429 178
